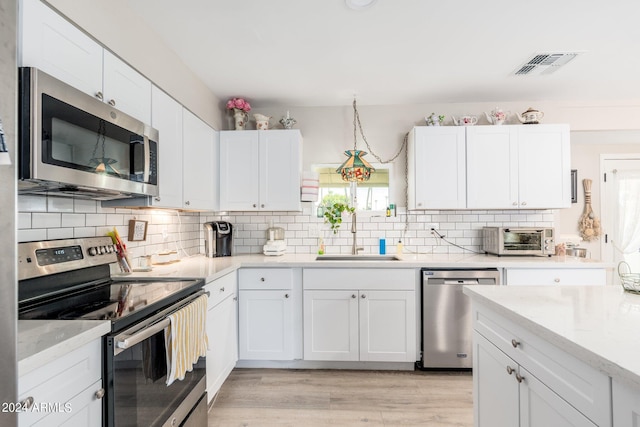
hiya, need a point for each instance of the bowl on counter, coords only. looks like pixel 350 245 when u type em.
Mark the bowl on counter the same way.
pixel 577 252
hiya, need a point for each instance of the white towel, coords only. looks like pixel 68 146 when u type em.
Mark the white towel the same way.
pixel 186 338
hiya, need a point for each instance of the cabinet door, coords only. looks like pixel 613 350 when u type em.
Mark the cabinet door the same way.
pixel 331 325
pixel 83 410
pixel 54 45
pixel 239 170
pixel 544 166
pixel 266 325
pixel 495 388
pixel 167 119
pixel 492 167
pixel 280 163
pixel 437 168
pixel 387 326
pixel 126 89
pixel 199 160
pixel 222 355
pixel 541 407
pixel 626 405
pixel 556 276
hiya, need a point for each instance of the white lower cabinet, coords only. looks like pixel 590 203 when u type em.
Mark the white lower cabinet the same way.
pixel 270 314
pixel 521 380
pixel 222 331
pixel 556 276
pixel 375 322
pixel 626 406
pixel 67 391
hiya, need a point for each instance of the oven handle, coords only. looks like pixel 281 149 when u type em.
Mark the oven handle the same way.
pixel 125 341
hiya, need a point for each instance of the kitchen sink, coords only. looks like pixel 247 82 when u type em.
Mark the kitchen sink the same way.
pixel 357 258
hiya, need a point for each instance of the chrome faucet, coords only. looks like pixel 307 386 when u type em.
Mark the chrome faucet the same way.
pixel 354 231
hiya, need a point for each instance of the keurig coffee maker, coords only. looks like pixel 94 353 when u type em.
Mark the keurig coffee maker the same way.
pixel 218 236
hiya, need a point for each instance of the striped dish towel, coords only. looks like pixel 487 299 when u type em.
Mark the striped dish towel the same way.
pixel 186 338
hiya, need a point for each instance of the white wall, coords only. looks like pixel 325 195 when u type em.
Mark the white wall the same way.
pixel 118 28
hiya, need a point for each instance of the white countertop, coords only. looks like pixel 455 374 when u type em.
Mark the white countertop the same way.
pixel 212 268
pixel 42 341
pixel 597 324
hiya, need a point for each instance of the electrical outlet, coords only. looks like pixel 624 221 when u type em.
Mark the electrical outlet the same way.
pixel 313 231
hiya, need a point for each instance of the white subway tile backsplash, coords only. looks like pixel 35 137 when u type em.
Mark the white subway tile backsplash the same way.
pixel 73 220
pixel 32 203
pixel 59 204
pixel 32 234
pixel 59 233
pixel 97 220
pixel 45 220
pixel 24 220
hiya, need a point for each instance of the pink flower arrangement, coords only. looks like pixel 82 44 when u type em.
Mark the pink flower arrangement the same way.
pixel 238 103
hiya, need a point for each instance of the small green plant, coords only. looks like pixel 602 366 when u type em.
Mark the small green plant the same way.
pixel 333 215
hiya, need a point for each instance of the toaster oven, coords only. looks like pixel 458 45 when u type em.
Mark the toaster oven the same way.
pixel 532 241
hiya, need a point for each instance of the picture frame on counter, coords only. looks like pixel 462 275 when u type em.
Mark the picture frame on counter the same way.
pixel 574 185
pixel 137 230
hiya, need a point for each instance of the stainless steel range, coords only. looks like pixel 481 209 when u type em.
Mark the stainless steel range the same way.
pixel 70 279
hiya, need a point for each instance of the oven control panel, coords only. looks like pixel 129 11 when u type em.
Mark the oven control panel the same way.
pixel 37 259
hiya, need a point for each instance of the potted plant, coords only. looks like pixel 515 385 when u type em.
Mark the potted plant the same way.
pixel 333 215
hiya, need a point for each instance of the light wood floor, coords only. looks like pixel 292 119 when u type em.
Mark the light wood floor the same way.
pixel 274 397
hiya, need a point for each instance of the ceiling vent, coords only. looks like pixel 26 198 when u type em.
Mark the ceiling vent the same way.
pixel 545 63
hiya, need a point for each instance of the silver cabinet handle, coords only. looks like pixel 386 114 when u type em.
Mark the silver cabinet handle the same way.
pixel 100 394
pixel 27 403
pixel 519 378
pixel 262 279
pixel 286 295
pixel 510 370
pixel 262 205
pixel 255 206
pixel 515 343
pixel 353 295
pixel 363 296
pixel 524 203
pixel 112 102
pixel 157 199
pixel 222 289
pixel 515 203
pixel 99 95
pixel 187 203
pixel 557 280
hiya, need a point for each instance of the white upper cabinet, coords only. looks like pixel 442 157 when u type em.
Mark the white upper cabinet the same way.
pixel 260 170
pixel 167 119
pixel 436 168
pixel 54 45
pixel 518 167
pixel 200 154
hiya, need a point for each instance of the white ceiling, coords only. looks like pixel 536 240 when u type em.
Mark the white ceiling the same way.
pixel 320 53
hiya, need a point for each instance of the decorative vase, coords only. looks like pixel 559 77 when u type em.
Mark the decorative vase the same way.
pixel 241 118
pixel 262 121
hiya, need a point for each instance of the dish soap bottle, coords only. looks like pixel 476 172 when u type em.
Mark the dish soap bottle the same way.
pixel 320 246
pixel 399 248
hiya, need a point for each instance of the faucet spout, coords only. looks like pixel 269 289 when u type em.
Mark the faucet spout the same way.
pixel 354 231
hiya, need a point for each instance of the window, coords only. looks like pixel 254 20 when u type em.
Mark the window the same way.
pixel 372 195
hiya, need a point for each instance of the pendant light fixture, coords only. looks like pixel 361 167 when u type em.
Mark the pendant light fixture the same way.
pixel 355 168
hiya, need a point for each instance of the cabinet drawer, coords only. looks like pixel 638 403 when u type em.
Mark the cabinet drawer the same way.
pixel 265 278
pixel 220 288
pixel 587 389
pixel 556 276
pixel 57 382
pixel 401 279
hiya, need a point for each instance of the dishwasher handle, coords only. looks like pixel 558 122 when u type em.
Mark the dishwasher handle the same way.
pixel 461 282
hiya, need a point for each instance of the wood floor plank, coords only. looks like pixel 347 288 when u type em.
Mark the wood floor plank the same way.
pixel 278 397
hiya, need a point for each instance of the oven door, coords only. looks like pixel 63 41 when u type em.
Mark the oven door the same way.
pixel 523 241
pixel 137 393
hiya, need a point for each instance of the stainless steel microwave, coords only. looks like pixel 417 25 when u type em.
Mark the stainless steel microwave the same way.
pixel 71 144
pixel 537 241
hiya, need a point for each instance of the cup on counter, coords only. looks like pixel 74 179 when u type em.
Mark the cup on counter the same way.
pixel 145 262
pixel 383 246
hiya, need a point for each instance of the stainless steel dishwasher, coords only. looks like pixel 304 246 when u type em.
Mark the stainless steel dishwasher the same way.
pixel 446 315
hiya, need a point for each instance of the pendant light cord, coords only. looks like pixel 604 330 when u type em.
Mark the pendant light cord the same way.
pixel 356 121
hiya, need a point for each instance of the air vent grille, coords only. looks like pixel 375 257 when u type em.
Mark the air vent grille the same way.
pixel 545 63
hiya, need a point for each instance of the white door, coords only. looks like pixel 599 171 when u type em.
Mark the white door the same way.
pixel 541 407
pixel 492 167
pixel 126 89
pixel 331 325
pixel 620 205
pixel 239 170
pixel 387 326
pixel 199 160
pixel 265 325
pixel 223 343
pixel 52 44
pixel 280 164
pixel 544 171
pixel 495 388
pixel 439 168
pixel 167 119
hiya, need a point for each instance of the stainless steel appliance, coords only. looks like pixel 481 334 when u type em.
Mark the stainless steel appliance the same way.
pixel 70 279
pixel 71 144
pixel 218 238
pixel 537 241
pixel 446 315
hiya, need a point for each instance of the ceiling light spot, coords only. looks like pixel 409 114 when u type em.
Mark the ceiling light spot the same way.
pixel 359 4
